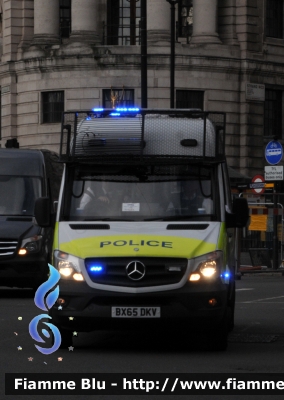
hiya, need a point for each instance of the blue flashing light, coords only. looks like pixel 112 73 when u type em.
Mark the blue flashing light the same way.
pixel 226 275
pixel 119 109
pixel 131 109
pixel 115 114
pixel 96 269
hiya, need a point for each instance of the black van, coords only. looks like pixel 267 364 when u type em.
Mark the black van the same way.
pixel 25 248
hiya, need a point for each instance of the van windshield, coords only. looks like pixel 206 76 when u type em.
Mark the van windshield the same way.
pixel 18 194
pixel 142 197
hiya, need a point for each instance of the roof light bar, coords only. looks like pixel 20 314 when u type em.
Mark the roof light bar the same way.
pixel 119 109
pixel 127 109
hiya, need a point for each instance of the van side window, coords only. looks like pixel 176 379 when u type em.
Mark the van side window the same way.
pixel 18 195
pixel 12 191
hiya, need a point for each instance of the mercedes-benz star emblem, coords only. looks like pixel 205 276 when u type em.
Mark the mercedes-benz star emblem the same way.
pixel 135 270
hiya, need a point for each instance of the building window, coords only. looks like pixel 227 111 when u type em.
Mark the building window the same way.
pixel 189 99
pixel 123 22
pixel 52 107
pixel 185 18
pixel 114 97
pixel 273 113
pixel 65 18
pixel 274 18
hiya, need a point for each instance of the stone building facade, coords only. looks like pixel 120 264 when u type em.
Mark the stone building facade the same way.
pixel 74 54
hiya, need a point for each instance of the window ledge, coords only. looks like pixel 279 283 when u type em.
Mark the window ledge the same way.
pixel 274 41
pixel 50 123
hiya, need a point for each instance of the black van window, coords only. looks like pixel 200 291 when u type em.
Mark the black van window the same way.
pixel 18 194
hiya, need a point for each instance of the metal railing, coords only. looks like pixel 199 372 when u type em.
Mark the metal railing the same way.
pixel 254 239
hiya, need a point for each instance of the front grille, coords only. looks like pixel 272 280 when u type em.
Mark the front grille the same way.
pixel 158 271
pixel 7 247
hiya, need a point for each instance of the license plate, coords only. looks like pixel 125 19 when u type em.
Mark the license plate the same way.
pixel 136 312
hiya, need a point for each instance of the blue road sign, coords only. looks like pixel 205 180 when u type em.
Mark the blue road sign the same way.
pixel 273 152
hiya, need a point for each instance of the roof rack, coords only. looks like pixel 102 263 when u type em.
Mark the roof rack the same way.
pixel 142 136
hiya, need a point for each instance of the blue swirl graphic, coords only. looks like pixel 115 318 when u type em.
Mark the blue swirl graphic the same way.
pixel 45 287
pixel 33 329
pixel 50 301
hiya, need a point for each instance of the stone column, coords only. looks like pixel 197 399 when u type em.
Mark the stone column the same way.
pixel 205 22
pixel 84 21
pixel 27 18
pixel 1 29
pixel 227 22
pixel 46 21
pixel 158 22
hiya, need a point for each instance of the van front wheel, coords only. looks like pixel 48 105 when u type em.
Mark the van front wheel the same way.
pixel 217 338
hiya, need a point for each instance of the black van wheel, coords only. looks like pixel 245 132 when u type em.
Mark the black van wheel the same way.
pixel 36 285
pixel 66 338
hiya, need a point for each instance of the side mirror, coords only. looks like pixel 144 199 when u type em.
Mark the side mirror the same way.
pixel 240 216
pixel 42 211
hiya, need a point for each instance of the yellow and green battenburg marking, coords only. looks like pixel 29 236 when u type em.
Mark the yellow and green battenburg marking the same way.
pixel 141 245
pixel 127 245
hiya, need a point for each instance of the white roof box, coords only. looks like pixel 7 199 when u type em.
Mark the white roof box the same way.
pixel 147 134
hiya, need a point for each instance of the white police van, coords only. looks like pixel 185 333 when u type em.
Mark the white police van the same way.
pixel 145 227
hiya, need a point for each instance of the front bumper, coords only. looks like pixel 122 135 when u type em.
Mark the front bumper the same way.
pixel 26 271
pixel 90 309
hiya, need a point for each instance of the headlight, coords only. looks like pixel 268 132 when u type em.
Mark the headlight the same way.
pixel 30 245
pixel 207 267
pixel 68 266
